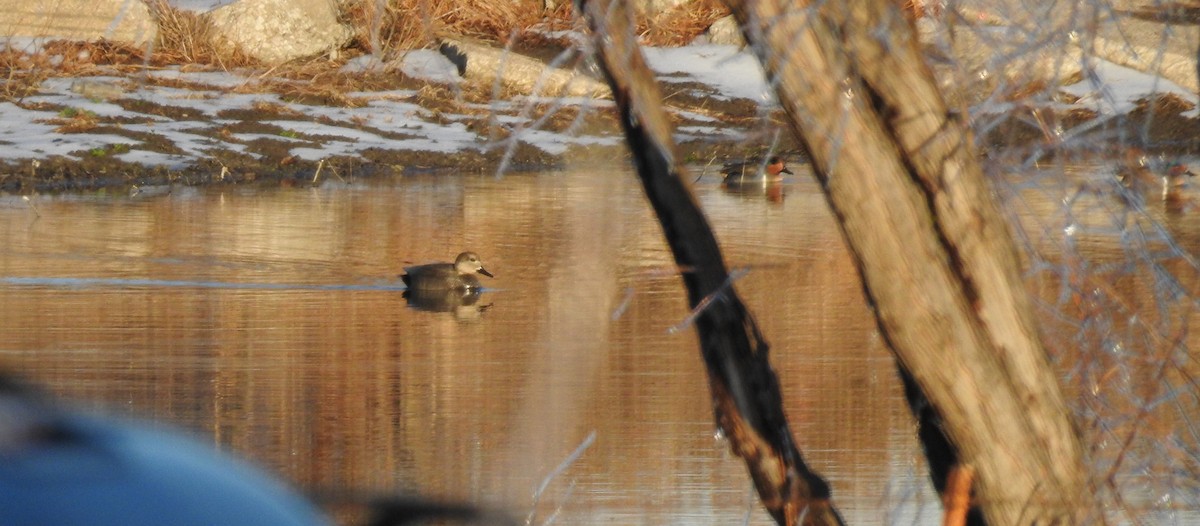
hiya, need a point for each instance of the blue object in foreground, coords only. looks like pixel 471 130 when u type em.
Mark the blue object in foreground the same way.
pixel 62 468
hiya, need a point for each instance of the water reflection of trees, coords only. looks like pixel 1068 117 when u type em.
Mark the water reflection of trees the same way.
pixel 892 158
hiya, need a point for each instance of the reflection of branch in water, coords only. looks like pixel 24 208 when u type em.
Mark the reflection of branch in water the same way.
pixel 704 170
pixel 707 300
pixel 562 502
pixel 562 466
pixel 369 509
pixel 624 305
pixel 31 205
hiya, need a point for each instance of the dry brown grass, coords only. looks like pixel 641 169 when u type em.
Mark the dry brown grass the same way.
pixel 414 24
pixel 23 72
pixel 82 57
pixel 386 28
pixel 184 37
pixel 1020 91
pixel 681 24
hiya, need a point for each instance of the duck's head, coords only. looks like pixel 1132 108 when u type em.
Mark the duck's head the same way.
pixel 1179 170
pixel 775 167
pixel 469 263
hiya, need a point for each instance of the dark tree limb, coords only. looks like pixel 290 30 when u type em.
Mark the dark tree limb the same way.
pixel 744 388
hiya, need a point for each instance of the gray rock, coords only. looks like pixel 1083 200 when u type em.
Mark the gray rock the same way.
pixel 276 31
pixel 126 21
pixel 725 31
pixel 98 89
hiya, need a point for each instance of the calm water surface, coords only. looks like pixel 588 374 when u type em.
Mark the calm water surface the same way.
pixel 270 321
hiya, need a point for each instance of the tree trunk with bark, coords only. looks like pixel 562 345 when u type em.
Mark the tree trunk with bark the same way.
pixel 938 263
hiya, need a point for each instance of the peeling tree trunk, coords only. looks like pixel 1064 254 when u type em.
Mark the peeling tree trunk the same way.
pixel 745 391
pixel 938 262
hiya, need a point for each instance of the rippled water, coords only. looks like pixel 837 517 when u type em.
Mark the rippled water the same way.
pixel 270 321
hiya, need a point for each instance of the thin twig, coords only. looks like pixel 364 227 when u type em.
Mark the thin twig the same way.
pixel 31 205
pixel 320 164
pixel 562 466
pixel 704 303
pixel 624 305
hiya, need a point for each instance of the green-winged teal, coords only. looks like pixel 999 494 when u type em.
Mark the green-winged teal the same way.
pixel 1174 181
pixel 754 172
pixel 1135 173
pixel 447 276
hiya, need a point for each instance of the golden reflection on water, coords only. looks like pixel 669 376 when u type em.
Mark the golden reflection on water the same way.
pixel 351 388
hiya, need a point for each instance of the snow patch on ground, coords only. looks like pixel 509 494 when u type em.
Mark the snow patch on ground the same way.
pixel 1111 89
pixel 210 101
pixel 216 79
pixel 27 135
pixel 199 6
pixel 733 73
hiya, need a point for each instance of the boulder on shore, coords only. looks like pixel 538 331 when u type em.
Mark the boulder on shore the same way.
pixel 276 31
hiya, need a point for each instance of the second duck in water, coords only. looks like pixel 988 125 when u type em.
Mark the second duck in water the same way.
pixel 754 172
pixel 459 275
pixel 1138 176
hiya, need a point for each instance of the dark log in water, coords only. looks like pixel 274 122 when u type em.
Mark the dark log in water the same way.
pixel 744 388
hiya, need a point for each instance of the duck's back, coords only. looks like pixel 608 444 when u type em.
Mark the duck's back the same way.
pixel 739 175
pixel 437 276
pixel 740 169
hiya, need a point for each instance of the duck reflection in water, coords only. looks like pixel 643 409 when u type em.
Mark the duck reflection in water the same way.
pixel 771 192
pixel 464 303
pixel 447 287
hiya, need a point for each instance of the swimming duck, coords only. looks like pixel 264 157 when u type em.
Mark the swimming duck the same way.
pixel 747 172
pixel 1135 174
pixel 447 276
pixel 1174 181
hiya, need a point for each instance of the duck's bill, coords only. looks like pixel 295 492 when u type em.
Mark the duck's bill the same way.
pixel 786 171
pixel 486 273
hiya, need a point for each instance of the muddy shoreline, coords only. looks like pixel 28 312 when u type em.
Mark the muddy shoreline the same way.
pixel 268 159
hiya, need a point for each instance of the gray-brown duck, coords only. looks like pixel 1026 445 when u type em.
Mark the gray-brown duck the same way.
pixel 459 275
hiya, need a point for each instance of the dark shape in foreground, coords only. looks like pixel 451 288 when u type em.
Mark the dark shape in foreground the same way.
pixel 65 468
pixel 459 275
